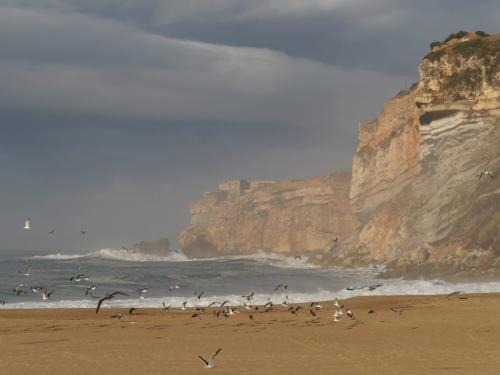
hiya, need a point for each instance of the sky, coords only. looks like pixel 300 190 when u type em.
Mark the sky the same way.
pixel 116 115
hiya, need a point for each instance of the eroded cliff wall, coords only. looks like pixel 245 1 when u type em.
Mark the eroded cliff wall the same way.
pixel 414 200
pixel 296 216
pixel 416 188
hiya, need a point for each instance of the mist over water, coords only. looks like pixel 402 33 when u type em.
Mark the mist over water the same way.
pixel 222 278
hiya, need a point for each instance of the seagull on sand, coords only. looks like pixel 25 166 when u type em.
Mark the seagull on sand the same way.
pixel 142 292
pixel 211 362
pixel 108 296
pixel 27 224
pixel 349 313
pixel 46 294
pixel 487 173
pixel 336 316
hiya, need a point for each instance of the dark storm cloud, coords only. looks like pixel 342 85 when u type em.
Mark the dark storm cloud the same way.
pixel 117 114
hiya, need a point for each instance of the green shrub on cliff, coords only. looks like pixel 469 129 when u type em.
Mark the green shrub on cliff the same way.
pixel 434 55
pixel 457 35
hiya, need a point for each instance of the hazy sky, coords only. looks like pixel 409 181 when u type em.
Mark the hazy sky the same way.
pixel 117 114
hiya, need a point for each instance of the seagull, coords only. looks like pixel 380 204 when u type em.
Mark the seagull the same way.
pixel 108 296
pixel 251 317
pixel 117 316
pixel 173 287
pixel 46 294
pixel 371 288
pixel 224 303
pixel 2 302
pixel 349 313
pixel 316 306
pixel 89 288
pixel 198 297
pixel 18 289
pixel 283 285
pixel 27 271
pixel 79 277
pixel 141 292
pixel 298 257
pixel 36 289
pixel 312 316
pixel 249 297
pixel 336 316
pixel 131 310
pixel 51 232
pixel 337 303
pixel 196 315
pixel 165 307
pixel 487 173
pixel 210 363
pixel 285 302
pixel 184 305
pixel 27 224
pixel 83 232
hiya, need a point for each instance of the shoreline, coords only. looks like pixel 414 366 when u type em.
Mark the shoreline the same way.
pixel 435 334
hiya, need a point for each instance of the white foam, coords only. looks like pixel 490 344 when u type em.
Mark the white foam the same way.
pixel 115 254
pixel 271 259
pixel 390 287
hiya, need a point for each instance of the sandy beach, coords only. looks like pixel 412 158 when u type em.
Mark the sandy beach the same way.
pixel 459 334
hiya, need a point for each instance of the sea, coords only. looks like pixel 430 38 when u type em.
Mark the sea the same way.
pixel 174 279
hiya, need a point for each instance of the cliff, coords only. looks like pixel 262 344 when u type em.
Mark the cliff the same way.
pixel 415 200
pixel 159 247
pixel 415 188
pixel 297 216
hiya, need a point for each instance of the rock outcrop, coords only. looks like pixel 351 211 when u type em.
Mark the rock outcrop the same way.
pixel 415 201
pixel 297 216
pixel 416 189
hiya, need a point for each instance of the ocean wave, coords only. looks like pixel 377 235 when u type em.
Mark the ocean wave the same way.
pixel 115 254
pixel 271 259
pixel 389 287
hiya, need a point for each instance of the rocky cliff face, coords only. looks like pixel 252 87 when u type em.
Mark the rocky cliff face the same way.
pixel 415 201
pixel 285 216
pixel 416 188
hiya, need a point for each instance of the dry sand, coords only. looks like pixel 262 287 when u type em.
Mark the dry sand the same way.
pixel 430 335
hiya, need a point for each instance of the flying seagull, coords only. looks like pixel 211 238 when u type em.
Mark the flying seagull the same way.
pixel 79 277
pixel 83 232
pixel 165 307
pixel 27 224
pixel 210 363
pixel 283 285
pixel 89 288
pixel 487 173
pixel 51 232
pixel 141 292
pixel 298 257
pixel 27 271
pixel 18 289
pixel 46 294
pixel 198 297
pixel 107 297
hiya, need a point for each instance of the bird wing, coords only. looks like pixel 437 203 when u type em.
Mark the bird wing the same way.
pixel 203 360
pixel 199 295
pixel 117 292
pixel 100 303
pixel 212 357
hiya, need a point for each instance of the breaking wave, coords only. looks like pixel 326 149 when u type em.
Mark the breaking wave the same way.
pixel 390 287
pixel 271 259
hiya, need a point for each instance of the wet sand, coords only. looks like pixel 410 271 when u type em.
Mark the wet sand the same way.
pixel 406 335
